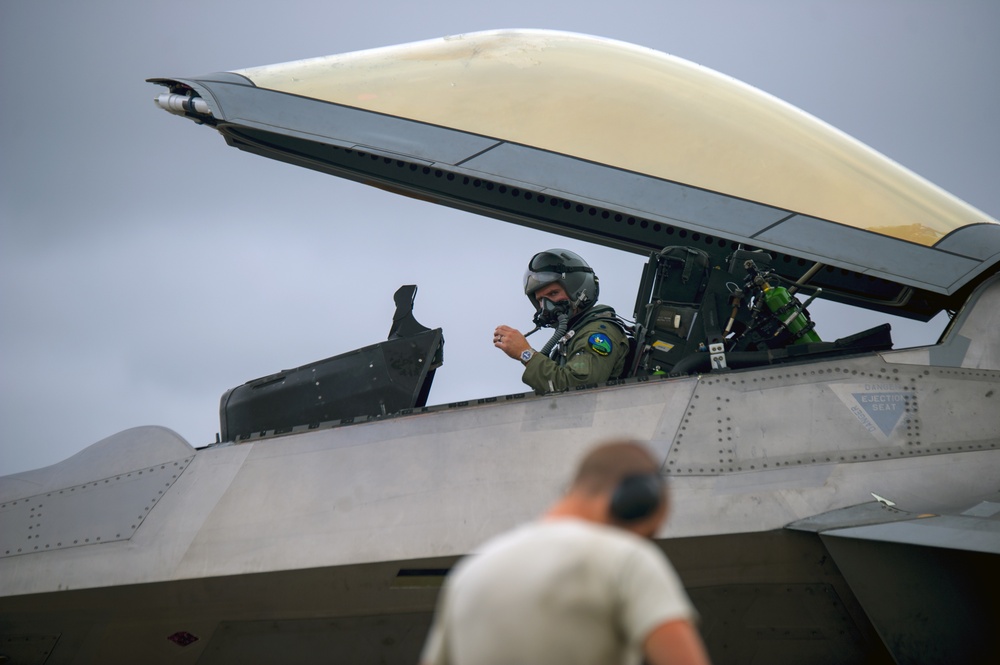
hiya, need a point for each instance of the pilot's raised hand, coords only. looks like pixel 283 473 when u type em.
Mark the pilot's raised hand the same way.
pixel 511 341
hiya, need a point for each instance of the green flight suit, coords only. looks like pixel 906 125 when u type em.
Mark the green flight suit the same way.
pixel 594 353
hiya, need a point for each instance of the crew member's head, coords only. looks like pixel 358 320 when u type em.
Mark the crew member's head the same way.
pixel 560 276
pixel 625 475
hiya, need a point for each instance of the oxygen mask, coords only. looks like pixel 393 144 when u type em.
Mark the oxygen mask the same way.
pixel 553 315
pixel 549 313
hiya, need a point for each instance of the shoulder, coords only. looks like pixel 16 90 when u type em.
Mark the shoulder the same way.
pixel 508 555
pixel 555 531
pixel 508 545
pixel 576 532
pixel 621 554
pixel 601 334
pixel 601 319
pixel 562 532
pixel 621 550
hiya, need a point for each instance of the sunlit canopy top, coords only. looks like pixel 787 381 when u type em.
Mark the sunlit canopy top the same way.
pixel 615 144
pixel 636 109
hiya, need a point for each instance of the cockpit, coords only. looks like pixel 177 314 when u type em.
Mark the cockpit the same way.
pixel 746 206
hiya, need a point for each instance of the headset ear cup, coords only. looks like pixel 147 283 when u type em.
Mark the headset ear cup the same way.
pixel 636 497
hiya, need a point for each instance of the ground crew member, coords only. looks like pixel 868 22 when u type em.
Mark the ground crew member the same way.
pixel 584 585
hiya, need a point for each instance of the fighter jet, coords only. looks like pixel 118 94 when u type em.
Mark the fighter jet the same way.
pixel 834 501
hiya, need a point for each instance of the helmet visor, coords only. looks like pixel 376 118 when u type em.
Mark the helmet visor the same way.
pixel 535 280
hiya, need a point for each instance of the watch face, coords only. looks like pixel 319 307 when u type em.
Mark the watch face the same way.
pixel 526 355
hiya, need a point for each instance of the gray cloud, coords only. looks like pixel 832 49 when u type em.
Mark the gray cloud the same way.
pixel 145 267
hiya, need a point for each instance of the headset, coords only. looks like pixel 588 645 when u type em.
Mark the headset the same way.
pixel 637 497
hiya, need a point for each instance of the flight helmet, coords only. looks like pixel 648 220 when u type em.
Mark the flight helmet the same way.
pixel 566 268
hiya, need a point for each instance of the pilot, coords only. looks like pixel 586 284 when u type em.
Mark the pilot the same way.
pixel 589 344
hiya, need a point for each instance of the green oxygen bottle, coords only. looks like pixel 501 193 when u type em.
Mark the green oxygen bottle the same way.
pixel 790 312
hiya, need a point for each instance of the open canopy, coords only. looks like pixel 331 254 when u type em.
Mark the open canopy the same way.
pixel 615 144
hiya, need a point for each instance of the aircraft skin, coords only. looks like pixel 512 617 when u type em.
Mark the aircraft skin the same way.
pixel 830 508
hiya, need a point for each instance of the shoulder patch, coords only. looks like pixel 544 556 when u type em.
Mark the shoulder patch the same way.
pixel 600 344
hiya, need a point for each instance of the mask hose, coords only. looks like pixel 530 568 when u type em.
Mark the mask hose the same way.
pixel 561 328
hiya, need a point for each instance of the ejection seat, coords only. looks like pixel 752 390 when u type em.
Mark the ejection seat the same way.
pixel 377 380
pixel 692 316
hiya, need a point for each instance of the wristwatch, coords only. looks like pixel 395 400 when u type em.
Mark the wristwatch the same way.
pixel 526 355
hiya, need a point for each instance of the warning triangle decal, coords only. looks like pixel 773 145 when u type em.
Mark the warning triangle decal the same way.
pixel 879 407
pixel 884 408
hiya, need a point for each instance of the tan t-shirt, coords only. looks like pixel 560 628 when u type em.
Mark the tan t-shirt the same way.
pixel 554 592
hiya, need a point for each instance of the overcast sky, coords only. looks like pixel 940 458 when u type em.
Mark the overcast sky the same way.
pixel 146 267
